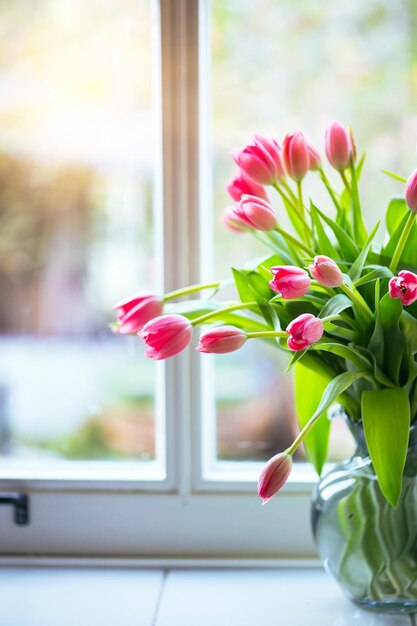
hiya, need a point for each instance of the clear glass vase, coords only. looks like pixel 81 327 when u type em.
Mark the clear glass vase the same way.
pixel 369 547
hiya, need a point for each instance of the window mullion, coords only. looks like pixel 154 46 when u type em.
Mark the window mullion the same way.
pixel 181 221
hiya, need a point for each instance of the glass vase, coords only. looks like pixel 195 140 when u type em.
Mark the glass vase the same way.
pixel 369 547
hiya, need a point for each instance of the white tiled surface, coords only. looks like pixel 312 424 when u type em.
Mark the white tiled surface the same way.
pixel 192 597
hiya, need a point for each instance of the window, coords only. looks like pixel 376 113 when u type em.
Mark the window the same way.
pixel 144 114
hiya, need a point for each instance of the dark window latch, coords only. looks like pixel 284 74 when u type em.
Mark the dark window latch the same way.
pixel 21 506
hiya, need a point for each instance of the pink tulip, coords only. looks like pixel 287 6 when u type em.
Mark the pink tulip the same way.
pixel 241 185
pixel 260 161
pixel 274 150
pixel 338 146
pixel 304 331
pixel 221 340
pixel 166 335
pixel 326 271
pixel 296 156
pixel 233 221
pixel 256 213
pixel 135 311
pixel 404 287
pixel 290 281
pixel 274 475
pixel 314 157
pixel 411 192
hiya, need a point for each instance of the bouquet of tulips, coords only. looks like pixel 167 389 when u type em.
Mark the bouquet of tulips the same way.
pixel 343 306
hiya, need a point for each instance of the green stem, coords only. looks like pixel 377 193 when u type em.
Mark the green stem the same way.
pixel 191 289
pixel 358 300
pixel 293 204
pixel 301 209
pixel 300 437
pixel 345 181
pixel 295 241
pixel 401 242
pixel 267 333
pixel 290 191
pixel 228 309
pixel 329 188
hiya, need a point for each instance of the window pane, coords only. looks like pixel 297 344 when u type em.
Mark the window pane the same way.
pixel 277 67
pixel 76 228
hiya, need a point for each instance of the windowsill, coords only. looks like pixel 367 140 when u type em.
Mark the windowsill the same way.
pixel 35 596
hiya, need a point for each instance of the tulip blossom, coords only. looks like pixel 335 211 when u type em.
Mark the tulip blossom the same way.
pixel 296 155
pixel 326 271
pixel 260 161
pixel 338 146
pixel 274 475
pixel 241 185
pixel 304 330
pixel 166 335
pixel 290 281
pixel 221 340
pixel 274 150
pixel 404 287
pixel 135 311
pixel 255 213
pixel 411 192
pixel 314 158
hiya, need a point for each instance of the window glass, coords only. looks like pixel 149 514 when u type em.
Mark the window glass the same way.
pixel 277 67
pixel 76 226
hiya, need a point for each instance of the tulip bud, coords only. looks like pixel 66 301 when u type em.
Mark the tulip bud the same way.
pixel 241 185
pixel 221 340
pixel 135 311
pixel 166 335
pixel 338 146
pixel 352 143
pixel 233 221
pixel 404 287
pixel 304 330
pixel 255 213
pixel 314 158
pixel 290 281
pixel 274 475
pixel 260 161
pixel 295 155
pixel 411 192
pixel 326 271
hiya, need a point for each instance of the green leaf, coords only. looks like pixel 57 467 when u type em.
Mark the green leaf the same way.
pixel 335 388
pixel 325 245
pixel 395 176
pixel 266 262
pixel 253 286
pixel 386 421
pixel 242 285
pixel 357 267
pixel 344 352
pixel 359 229
pixel 409 255
pixel 348 247
pixel 336 305
pixel 296 357
pixel 309 388
pixel 379 272
pixel 391 310
pixel 409 325
pixel 387 341
pixel 396 211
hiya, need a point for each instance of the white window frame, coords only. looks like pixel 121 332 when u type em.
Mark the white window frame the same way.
pixel 182 514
